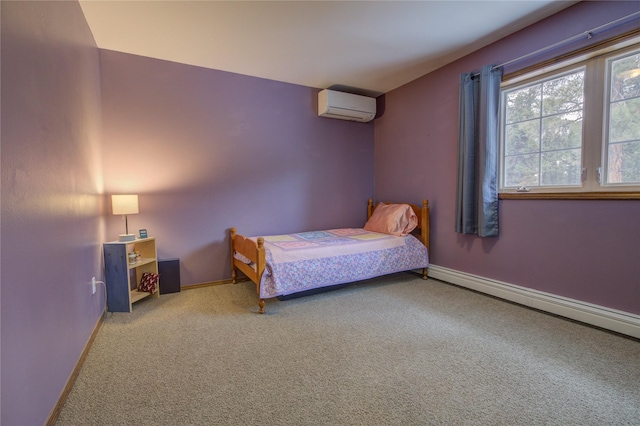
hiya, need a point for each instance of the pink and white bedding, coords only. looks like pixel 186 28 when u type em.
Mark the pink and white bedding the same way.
pixel 309 260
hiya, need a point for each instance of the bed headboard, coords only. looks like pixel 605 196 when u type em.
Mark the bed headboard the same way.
pixel 422 230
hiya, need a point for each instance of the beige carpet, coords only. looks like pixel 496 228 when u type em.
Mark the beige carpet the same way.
pixel 390 351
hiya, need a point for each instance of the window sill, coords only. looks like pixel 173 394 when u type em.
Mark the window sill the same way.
pixel 569 196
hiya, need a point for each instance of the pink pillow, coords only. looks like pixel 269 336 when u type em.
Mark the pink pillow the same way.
pixel 394 219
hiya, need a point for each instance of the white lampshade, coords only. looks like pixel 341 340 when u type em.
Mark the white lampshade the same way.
pixel 124 204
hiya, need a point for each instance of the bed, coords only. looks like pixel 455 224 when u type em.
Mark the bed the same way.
pixel 395 238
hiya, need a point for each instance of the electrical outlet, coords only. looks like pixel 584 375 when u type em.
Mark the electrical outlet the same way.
pixel 93 285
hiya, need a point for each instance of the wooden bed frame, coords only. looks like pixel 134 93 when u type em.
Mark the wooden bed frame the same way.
pixel 255 251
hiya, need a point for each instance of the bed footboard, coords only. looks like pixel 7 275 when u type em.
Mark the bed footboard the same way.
pixel 252 250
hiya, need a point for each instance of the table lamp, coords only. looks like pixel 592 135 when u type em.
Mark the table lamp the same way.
pixel 124 205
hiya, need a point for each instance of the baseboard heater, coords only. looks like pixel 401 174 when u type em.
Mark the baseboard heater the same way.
pixel 599 316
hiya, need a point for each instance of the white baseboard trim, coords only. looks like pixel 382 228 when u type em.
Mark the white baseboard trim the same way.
pixel 599 316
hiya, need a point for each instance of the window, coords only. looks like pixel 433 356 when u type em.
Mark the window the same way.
pixel 622 138
pixel 575 128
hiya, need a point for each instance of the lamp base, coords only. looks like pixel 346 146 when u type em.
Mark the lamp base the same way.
pixel 126 237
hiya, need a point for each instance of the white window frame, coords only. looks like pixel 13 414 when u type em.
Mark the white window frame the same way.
pixel 594 126
pixel 607 102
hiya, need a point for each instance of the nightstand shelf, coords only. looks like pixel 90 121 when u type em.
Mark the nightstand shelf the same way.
pixel 135 295
pixel 142 261
pixel 122 277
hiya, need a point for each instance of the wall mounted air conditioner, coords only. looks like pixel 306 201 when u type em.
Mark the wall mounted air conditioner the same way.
pixel 346 106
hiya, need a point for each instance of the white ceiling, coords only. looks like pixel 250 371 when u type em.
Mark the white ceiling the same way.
pixel 373 45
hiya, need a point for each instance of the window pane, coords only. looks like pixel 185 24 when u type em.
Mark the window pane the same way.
pixel 523 104
pixel 623 143
pixel 522 138
pixel 563 94
pixel 522 170
pixel 542 136
pixel 562 131
pixel 624 163
pixel 624 121
pixel 561 167
pixel 625 78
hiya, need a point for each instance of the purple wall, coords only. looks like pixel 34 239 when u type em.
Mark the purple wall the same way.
pixel 585 250
pixel 208 150
pixel 52 222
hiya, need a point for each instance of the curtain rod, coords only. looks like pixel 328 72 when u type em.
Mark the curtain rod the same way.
pixel 588 34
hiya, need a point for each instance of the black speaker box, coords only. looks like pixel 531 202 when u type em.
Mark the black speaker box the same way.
pixel 169 271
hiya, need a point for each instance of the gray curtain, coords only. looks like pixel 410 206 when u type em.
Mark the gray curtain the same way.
pixel 477 194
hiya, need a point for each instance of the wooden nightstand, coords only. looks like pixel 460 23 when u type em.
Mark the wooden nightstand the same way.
pixel 122 277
